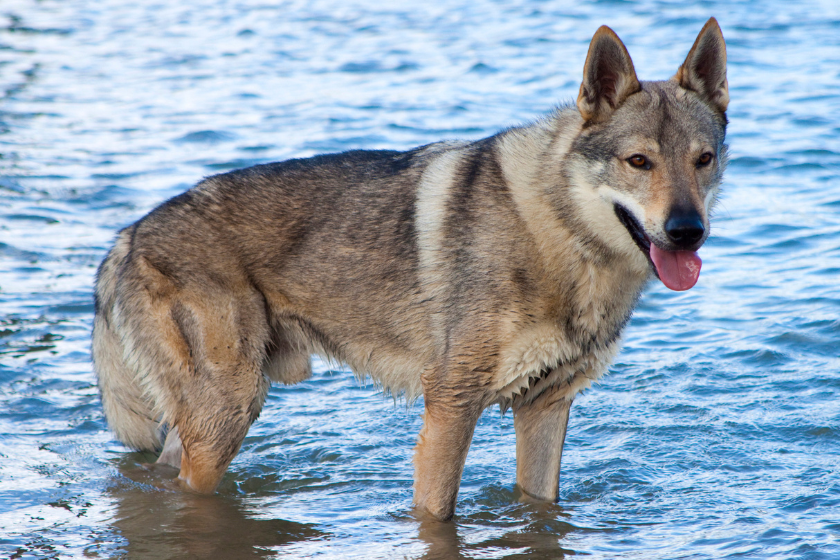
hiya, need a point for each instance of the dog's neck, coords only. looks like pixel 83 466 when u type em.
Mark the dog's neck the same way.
pixel 573 259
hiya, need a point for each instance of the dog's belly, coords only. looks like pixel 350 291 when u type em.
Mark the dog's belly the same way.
pixel 393 363
pixel 397 372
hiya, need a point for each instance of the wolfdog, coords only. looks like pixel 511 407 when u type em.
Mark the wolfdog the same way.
pixel 501 271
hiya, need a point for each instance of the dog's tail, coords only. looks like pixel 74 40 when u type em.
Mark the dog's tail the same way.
pixel 128 408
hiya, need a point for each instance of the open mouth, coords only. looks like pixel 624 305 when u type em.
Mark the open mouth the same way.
pixel 678 270
pixel 636 231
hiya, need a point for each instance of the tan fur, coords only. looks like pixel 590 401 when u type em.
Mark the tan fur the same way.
pixel 123 398
pixel 540 433
pixel 712 82
pixel 474 273
pixel 601 92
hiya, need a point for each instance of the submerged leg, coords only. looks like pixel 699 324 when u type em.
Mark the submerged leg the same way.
pixel 220 388
pixel 540 432
pixel 212 428
pixel 440 455
pixel 171 453
pixel 454 402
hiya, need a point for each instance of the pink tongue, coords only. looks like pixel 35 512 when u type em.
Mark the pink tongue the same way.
pixel 678 270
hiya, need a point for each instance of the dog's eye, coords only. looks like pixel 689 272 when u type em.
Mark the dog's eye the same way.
pixel 639 161
pixel 704 159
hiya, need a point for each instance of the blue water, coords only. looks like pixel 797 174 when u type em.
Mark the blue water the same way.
pixel 717 432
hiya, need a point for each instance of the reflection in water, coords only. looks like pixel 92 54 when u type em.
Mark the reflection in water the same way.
pixel 536 541
pixel 520 528
pixel 161 523
pixel 442 539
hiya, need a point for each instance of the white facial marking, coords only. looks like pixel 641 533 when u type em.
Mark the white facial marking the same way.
pixel 597 206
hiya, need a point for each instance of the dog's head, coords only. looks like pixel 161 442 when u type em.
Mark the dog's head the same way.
pixel 651 154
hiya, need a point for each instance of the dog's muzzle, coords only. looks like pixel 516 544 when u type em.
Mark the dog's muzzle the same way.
pixel 678 266
pixel 685 229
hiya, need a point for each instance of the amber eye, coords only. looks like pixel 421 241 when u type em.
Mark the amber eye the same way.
pixel 639 161
pixel 704 159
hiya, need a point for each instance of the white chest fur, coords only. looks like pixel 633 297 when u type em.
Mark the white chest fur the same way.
pixel 541 357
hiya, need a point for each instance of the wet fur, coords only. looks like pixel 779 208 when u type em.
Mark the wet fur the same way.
pixel 473 273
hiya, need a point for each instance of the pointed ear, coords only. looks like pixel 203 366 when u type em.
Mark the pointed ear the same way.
pixel 704 69
pixel 608 77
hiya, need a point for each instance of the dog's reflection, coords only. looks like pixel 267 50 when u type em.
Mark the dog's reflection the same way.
pixel 537 537
pixel 159 522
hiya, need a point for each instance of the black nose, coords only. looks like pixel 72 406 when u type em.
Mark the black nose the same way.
pixel 684 228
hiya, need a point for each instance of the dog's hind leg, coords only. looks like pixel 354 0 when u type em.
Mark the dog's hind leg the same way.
pixel 540 432
pixel 184 351
pixel 171 453
pixel 222 392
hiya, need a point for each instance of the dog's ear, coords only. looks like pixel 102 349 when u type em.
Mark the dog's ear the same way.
pixel 704 69
pixel 608 77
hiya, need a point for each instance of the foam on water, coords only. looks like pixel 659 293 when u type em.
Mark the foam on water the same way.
pixel 716 434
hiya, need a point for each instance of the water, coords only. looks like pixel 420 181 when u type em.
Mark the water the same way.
pixel 716 434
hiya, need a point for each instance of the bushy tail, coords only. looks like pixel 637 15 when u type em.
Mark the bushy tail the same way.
pixel 127 408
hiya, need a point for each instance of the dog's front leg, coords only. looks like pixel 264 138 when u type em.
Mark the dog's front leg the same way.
pixel 448 425
pixel 540 432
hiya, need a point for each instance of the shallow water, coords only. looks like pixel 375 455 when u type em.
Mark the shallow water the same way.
pixel 716 434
